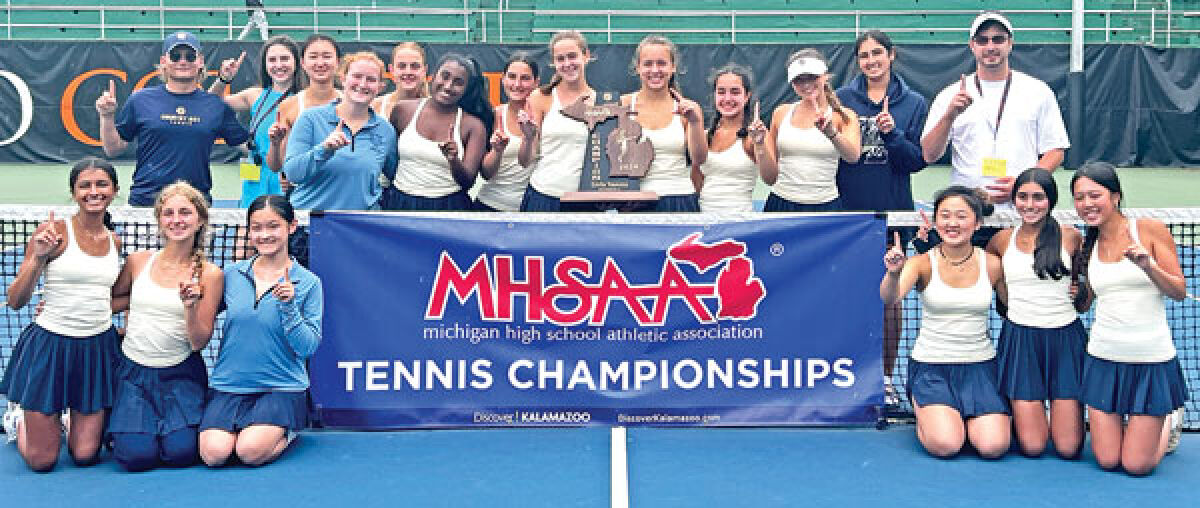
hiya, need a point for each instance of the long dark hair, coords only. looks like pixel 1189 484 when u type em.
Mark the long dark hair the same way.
pixel 474 99
pixel 521 57
pixel 1104 174
pixel 1047 251
pixel 94 163
pixel 747 86
pixel 298 76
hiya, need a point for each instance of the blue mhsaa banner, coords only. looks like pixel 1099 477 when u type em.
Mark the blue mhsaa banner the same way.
pixel 447 322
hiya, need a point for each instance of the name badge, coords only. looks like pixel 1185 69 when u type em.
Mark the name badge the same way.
pixel 249 171
pixel 995 167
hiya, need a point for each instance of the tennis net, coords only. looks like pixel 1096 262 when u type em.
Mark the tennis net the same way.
pixel 137 230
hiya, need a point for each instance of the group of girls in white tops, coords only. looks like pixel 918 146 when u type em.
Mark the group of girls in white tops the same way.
pixel 447 134
pixel 1125 371
pixel 147 394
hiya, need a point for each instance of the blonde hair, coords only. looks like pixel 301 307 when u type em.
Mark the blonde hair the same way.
pixel 830 95
pixel 182 188
pixel 564 35
pixel 344 65
pixel 423 91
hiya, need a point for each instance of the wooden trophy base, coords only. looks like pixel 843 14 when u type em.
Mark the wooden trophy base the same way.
pixel 603 201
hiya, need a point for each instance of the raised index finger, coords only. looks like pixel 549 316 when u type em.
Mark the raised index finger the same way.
pixel 885 105
pixel 241 57
pixel 962 83
pixel 756 115
pixel 924 218
pixel 112 88
pixel 896 237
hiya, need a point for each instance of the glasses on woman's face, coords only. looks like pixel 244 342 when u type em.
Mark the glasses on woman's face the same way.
pixel 982 40
pixel 178 53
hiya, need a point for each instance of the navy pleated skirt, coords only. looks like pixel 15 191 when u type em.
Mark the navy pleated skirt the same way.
pixel 777 204
pixel 535 201
pixel 397 200
pixel 970 388
pixel 1041 363
pixel 683 203
pixel 48 372
pixel 159 401
pixel 1153 389
pixel 235 411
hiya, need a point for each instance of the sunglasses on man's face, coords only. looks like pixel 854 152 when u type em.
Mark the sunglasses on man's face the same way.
pixel 982 40
pixel 178 54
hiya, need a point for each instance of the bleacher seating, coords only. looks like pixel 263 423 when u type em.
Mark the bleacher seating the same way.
pixel 621 21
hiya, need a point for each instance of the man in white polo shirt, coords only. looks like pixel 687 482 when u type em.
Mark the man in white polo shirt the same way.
pixel 998 122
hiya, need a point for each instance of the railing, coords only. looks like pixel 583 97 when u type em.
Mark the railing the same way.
pixel 1160 23
pixel 857 15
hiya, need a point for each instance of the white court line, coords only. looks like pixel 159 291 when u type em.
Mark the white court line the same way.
pixel 619 459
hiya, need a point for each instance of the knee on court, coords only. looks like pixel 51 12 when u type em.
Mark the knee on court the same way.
pixel 180 448
pixel 255 454
pixel 943 446
pixel 135 452
pixel 41 461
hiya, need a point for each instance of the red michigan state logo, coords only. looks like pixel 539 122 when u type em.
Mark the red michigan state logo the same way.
pixel 574 295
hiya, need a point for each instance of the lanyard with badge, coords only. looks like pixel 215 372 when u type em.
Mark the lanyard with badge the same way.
pixel 251 167
pixel 995 166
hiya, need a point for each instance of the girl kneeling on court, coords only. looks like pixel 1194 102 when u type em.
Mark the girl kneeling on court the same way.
pixel 256 399
pixel 952 372
pixel 66 358
pixel 1132 382
pixel 1041 345
pixel 172 296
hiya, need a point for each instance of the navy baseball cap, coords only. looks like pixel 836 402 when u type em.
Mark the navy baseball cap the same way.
pixel 178 38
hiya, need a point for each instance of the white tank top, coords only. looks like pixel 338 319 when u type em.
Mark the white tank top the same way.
pixel 422 170
pixel 808 164
pixel 505 190
pixel 954 321
pixel 156 333
pixel 1032 301
pixel 669 174
pixel 729 178
pixel 1131 318
pixel 563 142
pixel 77 291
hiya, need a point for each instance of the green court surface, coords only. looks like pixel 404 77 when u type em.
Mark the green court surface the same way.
pixel 1144 187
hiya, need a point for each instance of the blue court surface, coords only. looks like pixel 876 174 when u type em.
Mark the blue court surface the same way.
pixel 570 467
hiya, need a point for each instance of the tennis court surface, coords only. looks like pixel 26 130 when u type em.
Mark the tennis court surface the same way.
pixel 570 467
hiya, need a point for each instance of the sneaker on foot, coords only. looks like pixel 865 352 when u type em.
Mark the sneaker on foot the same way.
pixel 891 397
pixel 12 418
pixel 1175 420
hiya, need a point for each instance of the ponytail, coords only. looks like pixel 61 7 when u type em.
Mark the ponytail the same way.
pixel 832 99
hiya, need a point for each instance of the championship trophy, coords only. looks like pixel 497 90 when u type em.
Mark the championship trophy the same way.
pixel 617 156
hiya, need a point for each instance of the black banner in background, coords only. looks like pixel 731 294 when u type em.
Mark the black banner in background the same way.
pixel 1140 108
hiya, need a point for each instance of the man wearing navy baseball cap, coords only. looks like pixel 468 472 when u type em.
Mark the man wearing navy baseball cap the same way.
pixel 175 124
pixel 997 122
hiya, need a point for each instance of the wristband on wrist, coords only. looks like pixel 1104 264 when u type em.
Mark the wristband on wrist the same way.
pixel 223 80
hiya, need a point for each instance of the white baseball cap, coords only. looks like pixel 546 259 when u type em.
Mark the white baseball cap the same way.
pixel 806 65
pixel 986 16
